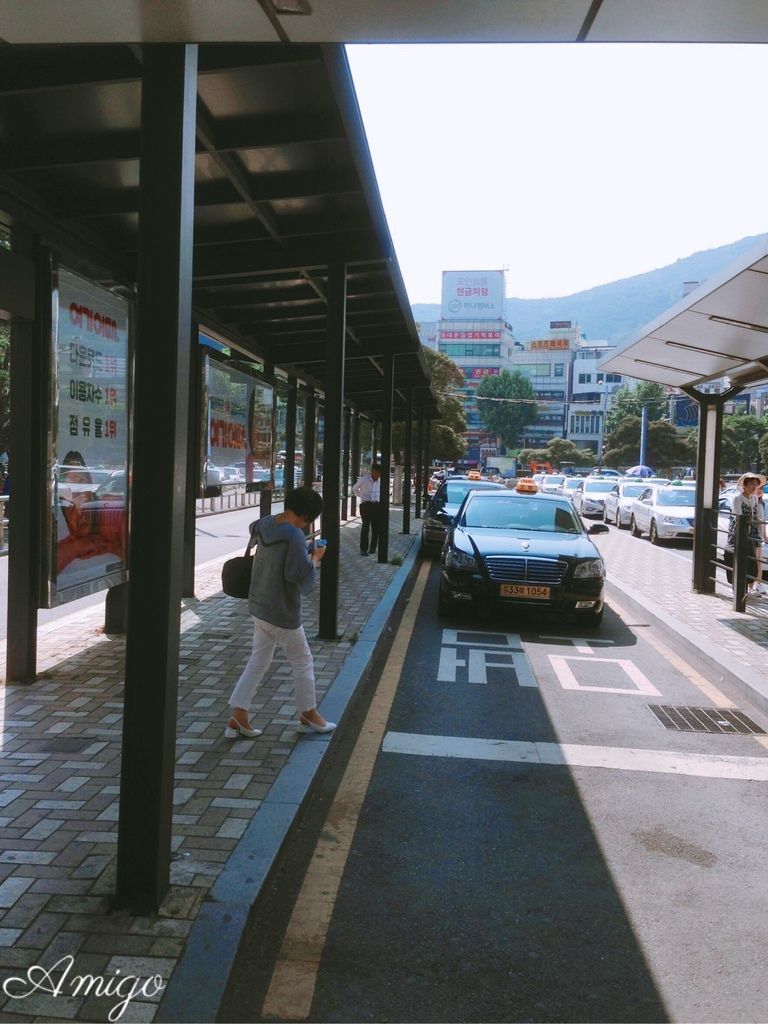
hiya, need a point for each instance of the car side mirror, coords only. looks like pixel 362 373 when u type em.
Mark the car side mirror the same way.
pixel 598 528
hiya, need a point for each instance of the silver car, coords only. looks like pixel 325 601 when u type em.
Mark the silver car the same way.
pixel 589 498
pixel 664 512
pixel 618 502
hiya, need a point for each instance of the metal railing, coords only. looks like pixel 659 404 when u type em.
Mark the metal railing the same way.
pixel 740 564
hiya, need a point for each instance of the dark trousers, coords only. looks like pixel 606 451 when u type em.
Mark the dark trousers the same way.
pixel 369 513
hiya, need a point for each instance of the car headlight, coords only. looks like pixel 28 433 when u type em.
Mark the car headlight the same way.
pixel 591 569
pixel 459 560
pixel 674 521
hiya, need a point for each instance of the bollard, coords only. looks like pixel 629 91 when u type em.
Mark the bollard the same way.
pixel 116 609
pixel 742 550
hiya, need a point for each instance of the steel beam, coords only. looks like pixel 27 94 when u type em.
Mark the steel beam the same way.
pixel 332 450
pixel 408 461
pixel 161 383
pixel 386 457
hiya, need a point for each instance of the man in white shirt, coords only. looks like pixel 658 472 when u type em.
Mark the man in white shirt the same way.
pixel 367 490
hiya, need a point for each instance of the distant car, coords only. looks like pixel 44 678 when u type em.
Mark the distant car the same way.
pixel 589 497
pixel 569 486
pixel 444 506
pixel 664 512
pixel 511 550
pixel 551 482
pixel 618 501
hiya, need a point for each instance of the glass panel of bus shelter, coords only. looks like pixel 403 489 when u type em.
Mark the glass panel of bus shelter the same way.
pixel 281 412
pixel 319 443
pixel 366 444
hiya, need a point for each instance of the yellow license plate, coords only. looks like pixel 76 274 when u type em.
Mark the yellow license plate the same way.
pixel 524 590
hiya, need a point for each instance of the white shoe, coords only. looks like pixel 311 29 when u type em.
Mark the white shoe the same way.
pixel 235 729
pixel 305 725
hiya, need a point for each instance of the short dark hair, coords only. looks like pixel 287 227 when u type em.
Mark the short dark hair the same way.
pixel 376 466
pixel 305 502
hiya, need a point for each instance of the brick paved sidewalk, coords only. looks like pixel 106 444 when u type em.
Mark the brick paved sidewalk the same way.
pixel 659 580
pixel 60 764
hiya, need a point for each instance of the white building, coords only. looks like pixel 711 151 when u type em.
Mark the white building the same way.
pixel 591 395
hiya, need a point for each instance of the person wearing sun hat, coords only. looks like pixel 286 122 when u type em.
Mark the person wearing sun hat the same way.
pixel 747 503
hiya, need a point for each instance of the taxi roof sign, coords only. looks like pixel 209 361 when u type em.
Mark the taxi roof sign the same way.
pixel 527 485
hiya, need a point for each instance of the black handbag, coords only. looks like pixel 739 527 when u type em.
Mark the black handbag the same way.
pixel 236 572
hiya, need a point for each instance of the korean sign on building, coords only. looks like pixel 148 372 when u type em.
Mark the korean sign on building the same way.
pixel 549 344
pixel 89 438
pixel 478 372
pixel 469 335
pixel 472 295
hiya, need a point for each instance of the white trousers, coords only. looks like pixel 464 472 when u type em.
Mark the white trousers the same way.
pixel 294 642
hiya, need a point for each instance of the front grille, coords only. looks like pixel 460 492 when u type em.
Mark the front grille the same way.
pixel 514 569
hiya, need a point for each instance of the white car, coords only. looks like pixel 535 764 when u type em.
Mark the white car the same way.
pixel 550 484
pixel 619 500
pixel 569 486
pixel 589 497
pixel 664 512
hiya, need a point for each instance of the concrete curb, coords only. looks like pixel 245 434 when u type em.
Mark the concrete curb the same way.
pixel 702 652
pixel 196 987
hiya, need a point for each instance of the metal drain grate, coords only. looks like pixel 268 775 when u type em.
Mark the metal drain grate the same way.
pixel 711 720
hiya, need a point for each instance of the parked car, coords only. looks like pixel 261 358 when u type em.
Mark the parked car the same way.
pixel 589 498
pixel 551 482
pixel 530 550
pixel 569 486
pixel 664 512
pixel 443 507
pixel 619 500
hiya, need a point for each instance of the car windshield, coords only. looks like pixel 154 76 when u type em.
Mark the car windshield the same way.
pixel 676 496
pixel 520 513
pixel 571 485
pixel 454 493
pixel 553 479
pixel 599 486
pixel 632 490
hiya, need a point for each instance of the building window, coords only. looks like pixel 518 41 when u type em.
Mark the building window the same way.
pixel 585 378
pixel 535 369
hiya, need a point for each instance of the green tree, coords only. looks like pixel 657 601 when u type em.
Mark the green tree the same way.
pixel 730 457
pixel 445 437
pixel 5 387
pixel 746 431
pixel 508 407
pixel 665 446
pixel 630 401
pixel 561 450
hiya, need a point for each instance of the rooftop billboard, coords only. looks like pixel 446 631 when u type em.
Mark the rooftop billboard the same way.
pixel 472 295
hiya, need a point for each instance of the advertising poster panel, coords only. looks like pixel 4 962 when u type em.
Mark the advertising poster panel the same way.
pixel 472 295
pixel 239 415
pixel 89 438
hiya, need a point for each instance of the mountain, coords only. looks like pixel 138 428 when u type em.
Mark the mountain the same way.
pixel 614 311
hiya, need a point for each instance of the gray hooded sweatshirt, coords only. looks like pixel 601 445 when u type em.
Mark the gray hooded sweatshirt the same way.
pixel 282 573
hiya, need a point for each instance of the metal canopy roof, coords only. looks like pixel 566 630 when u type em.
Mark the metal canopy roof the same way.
pixel 718 330
pixel 314 21
pixel 284 188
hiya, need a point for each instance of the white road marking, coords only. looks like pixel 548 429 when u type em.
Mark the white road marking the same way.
pixel 479 661
pixel 511 641
pixel 669 762
pixel 568 680
pixel 582 645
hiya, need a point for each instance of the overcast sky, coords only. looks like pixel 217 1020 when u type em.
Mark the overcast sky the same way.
pixel 570 165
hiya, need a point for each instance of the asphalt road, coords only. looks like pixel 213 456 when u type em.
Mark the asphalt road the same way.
pixel 214 535
pixel 516 837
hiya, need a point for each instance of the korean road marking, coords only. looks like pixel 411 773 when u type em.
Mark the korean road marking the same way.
pixel 507 641
pixel 568 681
pixel 482 651
pixel 576 755
pixel 582 645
